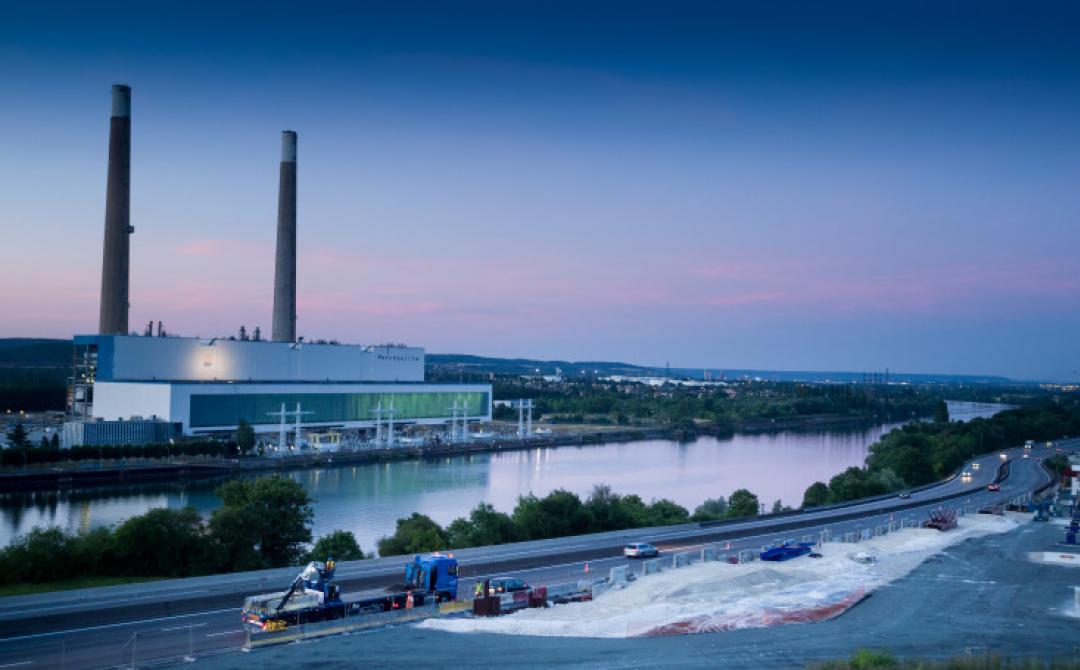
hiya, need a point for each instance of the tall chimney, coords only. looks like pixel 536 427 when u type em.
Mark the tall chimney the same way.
pixel 113 319
pixel 284 323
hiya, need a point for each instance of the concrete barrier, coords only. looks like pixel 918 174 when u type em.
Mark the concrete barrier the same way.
pixel 866 534
pixel 680 560
pixel 619 576
pixel 1068 559
pixel 709 553
pixel 651 566
pixel 348 624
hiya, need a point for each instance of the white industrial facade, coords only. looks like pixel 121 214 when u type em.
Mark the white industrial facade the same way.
pixel 215 407
pixel 209 386
pixel 133 357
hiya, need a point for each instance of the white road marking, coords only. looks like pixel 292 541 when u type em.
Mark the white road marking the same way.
pixel 119 624
pixel 227 632
pixel 16 665
pixel 193 625
pixel 82 602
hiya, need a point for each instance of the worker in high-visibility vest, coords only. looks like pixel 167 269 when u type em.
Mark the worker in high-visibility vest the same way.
pixel 478 590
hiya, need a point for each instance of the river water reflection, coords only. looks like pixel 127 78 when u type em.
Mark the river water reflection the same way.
pixel 368 499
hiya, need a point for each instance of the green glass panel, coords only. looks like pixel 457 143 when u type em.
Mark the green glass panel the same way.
pixel 228 410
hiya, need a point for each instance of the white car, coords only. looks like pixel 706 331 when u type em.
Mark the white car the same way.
pixel 974 466
pixel 640 550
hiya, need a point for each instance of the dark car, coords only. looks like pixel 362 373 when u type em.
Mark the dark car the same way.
pixel 994 487
pixel 507 585
pixel 905 495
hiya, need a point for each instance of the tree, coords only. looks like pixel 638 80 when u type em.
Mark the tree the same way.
pixel 816 494
pixel 778 507
pixel 663 512
pixel 235 533
pixel 17 437
pixel 712 509
pixel 413 535
pixel 606 510
pixel 341 545
pixel 941 412
pixel 483 527
pixel 245 437
pixel 558 514
pixel 742 503
pixel 280 511
pixel 163 543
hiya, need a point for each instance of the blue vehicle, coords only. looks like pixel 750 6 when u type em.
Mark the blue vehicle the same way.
pixel 787 552
pixel 313 597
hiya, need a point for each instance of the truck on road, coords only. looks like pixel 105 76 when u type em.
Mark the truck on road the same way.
pixel 313 596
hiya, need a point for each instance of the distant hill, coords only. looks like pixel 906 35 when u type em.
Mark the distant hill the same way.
pixel 31 352
pixel 484 365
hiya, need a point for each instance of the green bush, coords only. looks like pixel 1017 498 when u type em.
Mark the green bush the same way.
pixel 416 534
pixel 341 545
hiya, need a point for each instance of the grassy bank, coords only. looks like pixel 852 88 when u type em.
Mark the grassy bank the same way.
pixel 868 659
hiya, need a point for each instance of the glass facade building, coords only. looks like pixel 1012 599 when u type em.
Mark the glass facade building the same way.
pixel 210 410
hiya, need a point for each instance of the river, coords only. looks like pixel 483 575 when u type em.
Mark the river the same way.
pixel 368 499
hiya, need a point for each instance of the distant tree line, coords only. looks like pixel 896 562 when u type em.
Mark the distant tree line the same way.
pixel 724 407
pixel 920 453
pixel 263 523
pixel 558 514
pixel 22 452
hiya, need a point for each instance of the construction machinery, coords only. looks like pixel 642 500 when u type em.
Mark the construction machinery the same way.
pixel 313 596
pixel 942 519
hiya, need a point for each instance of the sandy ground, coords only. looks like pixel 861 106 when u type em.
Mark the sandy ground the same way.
pixel 978 596
pixel 716 596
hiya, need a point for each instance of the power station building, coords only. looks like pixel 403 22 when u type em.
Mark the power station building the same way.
pixel 207 386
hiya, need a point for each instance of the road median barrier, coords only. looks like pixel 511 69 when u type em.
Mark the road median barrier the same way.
pixel 256 639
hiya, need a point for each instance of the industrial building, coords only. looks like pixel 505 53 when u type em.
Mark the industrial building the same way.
pixel 137 388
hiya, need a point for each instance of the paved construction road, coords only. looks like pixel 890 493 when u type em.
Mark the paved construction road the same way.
pixel 167 620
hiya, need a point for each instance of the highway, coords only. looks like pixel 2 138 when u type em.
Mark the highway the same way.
pixel 113 626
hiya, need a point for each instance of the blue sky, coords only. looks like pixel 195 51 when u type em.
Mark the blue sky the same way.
pixel 829 186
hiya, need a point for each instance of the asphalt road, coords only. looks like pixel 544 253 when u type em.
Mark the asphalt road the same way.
pixel 149 623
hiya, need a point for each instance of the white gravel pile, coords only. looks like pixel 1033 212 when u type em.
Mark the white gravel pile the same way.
pixel 715 596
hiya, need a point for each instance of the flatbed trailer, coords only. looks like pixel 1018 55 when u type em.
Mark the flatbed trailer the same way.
pixel 314 598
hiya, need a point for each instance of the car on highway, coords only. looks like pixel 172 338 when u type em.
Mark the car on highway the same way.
pixel 640 550
pixel 506 585
pixel 974 466
pixel 966 476
pixel 994 487
pixel 1027 455
pixel 905 495
pixel 1004 456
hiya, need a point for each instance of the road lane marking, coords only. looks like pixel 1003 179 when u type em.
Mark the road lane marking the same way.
pixel 192 625
pixel 16 665
pixel 227 632
pixel 119 624
pixel 87 601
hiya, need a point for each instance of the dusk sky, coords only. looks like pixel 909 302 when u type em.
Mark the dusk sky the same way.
pixel 804 186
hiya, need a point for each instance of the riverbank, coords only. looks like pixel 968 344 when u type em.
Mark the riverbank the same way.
pixel 85 475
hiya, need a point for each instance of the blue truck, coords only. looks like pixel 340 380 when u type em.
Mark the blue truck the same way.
pixel 313 596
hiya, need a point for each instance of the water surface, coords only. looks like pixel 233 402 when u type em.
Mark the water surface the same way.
pixel 368 499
